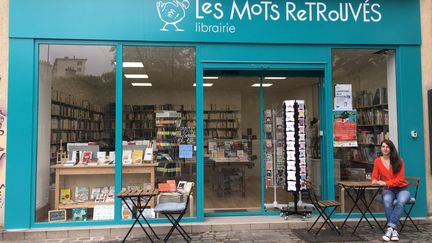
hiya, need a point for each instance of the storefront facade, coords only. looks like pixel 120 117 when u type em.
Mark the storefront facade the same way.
pixel 64 83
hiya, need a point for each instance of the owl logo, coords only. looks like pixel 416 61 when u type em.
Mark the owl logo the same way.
pixel 171 12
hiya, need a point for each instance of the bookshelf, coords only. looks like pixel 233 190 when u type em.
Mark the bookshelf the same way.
pixel 167 145
pixel 63 171
pixel 372 124
pixel 218 124
pixel 138 123
pixel 72 121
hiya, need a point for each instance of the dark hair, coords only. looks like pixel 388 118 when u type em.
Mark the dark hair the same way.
pixel 395 160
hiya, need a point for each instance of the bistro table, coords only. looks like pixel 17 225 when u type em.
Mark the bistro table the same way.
pixel 138 199
pixel 358 197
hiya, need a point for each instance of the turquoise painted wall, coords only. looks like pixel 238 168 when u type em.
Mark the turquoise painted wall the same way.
pixel 295 21
pixel 410 118
pixel 20 137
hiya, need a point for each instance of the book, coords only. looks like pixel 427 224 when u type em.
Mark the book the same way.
pixel 127 157
pixel 81 194
pixel 79 214
pixel 74 156
pixel 103 212
pixel 137 156
pixel 126 213
pixel 101 157
pixel 110 195
pixel 172 185
pixel 148 155
pixel 87 156
pixel 188 187
pixel 163 187
pixel 65 195
pixel 111 157
pixel 95 193
pixel 181 186
pixel 100 198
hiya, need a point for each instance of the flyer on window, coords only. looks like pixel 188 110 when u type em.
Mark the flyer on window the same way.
pixel 345 128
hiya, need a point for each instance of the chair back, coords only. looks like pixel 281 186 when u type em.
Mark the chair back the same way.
pixel 188 195
pixel 413 182
pixel 311 189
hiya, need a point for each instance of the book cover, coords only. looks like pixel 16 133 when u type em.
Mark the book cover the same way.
pixel 110 195
pixel 172 185
pixel 95 193
pixel 111 157
pixel 101 157
pixel 65 195
pixel 181 186
pixel 148 156
pixel 163 187
pixel 137 156
pixel 87 156
pixel 101 197
pixel 81 193
pixel 127 157
pixel 79 214
pixel 188 187
pixel 126 213
pixel 103 212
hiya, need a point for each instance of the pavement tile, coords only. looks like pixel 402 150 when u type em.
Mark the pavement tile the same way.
pixel 409 234
pixel 13 236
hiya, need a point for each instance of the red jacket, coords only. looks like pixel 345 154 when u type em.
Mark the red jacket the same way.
pixel 380 172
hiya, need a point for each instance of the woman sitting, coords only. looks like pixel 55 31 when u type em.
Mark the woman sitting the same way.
pixel 388 171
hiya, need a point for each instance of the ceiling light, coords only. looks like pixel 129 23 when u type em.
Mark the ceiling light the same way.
pixel 274 78
pixel 210 77
pixel 132 64
pixel 142 84
pixel 264 85
pixel 136 75
pixel 205 84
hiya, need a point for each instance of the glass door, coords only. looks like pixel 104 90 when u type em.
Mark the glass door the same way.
pixel 291 144
pixel 232 171
pixel 244 171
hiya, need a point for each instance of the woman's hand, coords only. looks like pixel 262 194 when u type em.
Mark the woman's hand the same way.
pixel 382 183
pixel 374 182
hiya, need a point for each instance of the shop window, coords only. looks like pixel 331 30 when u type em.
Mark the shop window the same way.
pixel 364 113
pixel 75 170
pixel 159 138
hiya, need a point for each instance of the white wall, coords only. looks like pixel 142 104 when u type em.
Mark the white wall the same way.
pixel 426 50
pixel 4 50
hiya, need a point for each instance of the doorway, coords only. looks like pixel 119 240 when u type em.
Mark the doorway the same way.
pixel 237 138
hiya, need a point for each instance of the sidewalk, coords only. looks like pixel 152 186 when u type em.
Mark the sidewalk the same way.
pixel 410 234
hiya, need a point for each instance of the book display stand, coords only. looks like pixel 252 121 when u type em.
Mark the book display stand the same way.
pixel 167 145
pixel 295 156
pixel 274 154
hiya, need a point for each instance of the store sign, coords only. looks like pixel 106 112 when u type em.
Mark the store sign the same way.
pixel 222 21
pixel 172 13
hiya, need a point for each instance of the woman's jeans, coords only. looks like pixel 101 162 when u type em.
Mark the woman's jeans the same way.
pixel 394 212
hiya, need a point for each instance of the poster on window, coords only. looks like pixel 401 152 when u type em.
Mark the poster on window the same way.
pixel 345 128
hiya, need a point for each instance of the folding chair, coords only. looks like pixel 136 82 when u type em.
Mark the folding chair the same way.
pixel 169 209
pixel 321 206
pixel 414 182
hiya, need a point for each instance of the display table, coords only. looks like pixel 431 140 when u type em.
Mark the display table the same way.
pixel 222 163
pixel 62 170
pixel 358 197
